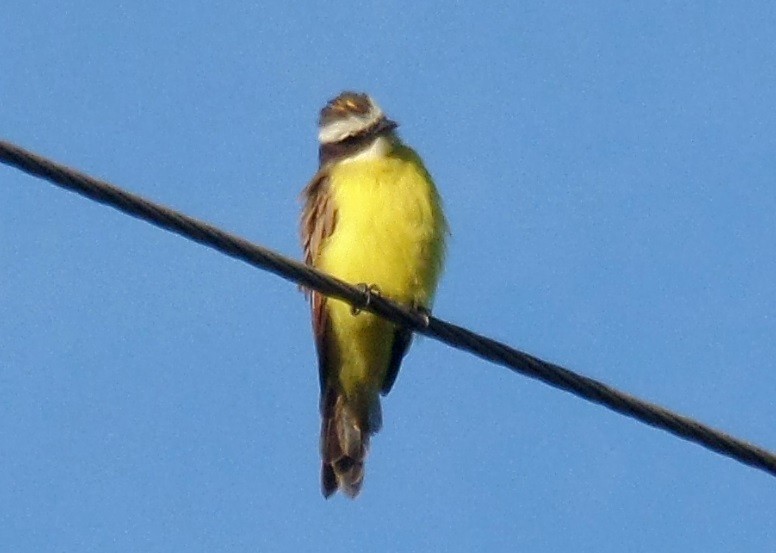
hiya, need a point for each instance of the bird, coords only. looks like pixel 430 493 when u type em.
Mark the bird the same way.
pixel 372 217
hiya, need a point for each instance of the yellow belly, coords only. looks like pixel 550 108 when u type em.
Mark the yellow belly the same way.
pixel 389 232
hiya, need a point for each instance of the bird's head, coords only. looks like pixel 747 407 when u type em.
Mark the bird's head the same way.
pixel 352 117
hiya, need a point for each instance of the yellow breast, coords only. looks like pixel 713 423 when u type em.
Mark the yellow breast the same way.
pixel 390 229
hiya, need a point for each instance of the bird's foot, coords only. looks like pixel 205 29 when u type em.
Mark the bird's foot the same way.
pixel 423 312
pixel 370 290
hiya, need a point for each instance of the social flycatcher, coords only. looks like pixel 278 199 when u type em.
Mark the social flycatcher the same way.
pixel 371 217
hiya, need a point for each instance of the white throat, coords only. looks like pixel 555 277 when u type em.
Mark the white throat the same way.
pixel 379 148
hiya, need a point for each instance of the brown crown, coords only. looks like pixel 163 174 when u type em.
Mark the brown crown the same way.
pixel 347 103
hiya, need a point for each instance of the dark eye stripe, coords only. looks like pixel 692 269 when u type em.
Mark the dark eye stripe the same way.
pixel 330 152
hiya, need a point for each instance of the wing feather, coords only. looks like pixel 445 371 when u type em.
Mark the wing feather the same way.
pixel 402 338
pixel 319 218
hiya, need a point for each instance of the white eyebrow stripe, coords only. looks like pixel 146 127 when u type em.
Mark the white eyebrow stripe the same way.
pixel 353 124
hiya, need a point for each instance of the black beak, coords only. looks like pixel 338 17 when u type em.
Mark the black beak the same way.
pixel 385 125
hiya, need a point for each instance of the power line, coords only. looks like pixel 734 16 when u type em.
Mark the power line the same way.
pixel 453 335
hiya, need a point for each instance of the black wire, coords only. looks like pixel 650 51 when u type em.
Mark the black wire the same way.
pixel 453 335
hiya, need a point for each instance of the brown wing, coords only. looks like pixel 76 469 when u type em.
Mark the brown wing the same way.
pixel 402 339
pixel 319 217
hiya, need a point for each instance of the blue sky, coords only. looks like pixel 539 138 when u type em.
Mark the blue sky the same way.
pixel 608 173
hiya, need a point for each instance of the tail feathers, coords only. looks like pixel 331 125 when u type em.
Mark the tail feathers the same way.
pixel 344 444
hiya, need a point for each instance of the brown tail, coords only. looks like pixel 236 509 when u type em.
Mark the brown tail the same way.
pixel 344 443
